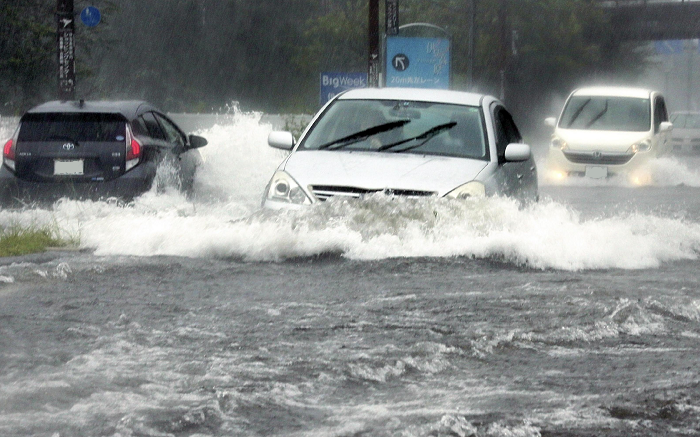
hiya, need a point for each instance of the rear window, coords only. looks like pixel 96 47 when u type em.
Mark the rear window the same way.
pixel 78 127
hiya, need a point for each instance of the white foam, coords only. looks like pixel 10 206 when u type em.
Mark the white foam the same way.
pixel 667 171
pixel 224 219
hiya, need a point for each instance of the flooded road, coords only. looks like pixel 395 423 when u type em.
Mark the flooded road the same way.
pixel 578 316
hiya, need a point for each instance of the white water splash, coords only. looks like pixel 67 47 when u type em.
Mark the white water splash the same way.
pixel 224 219
pixel 667 171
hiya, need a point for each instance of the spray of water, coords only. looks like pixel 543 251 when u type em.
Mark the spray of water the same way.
pixel 223 218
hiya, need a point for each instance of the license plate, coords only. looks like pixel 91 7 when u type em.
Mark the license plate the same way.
pixel 596 172
pixel 63 167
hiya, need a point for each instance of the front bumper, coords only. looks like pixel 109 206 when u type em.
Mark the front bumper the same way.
pixel 580 162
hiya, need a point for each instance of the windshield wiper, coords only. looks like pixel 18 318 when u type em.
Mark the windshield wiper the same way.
pixel 425 136
pixel 578 112
pixel 597 117
pixel 363 134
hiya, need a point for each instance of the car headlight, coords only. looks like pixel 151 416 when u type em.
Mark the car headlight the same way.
pixel 470 189
pixel 642 146
pixel 558 143
pixel 283 188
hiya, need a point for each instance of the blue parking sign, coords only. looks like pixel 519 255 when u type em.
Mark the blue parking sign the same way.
pixel 418 62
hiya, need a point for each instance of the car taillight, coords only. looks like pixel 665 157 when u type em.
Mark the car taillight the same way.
pixel 8 154
pixel 133 152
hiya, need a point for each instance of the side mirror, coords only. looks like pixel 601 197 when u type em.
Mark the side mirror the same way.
pixel 281 140
pixel 550 121
pixel 196 141
pixel 516 152
pixel 665 126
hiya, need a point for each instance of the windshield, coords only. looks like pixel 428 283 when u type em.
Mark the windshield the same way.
pixel 72 127
pixel 607 113
pixel 686 121
pixel 391 126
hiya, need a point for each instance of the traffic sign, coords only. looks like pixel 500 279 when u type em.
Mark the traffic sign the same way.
pixel 335 83
pixel 418 62
pixel 90 16
pixel 669 47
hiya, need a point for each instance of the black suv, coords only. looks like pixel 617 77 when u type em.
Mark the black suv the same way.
pixel 93 150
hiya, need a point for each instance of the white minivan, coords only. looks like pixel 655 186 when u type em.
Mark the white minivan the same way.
pixel 604 131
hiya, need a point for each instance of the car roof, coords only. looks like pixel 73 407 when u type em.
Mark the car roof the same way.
pixel 416 94
pixel 616 91
pixel 128 108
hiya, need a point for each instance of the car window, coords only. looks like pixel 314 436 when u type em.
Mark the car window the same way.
pixel 506 131
pixel 138 127
pixel 79 127
pixel 607 113
pixel 154 129
pixel 172 133
pixel 411 127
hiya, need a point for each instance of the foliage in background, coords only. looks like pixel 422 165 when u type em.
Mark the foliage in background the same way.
pixel 27 53
pixel 199 55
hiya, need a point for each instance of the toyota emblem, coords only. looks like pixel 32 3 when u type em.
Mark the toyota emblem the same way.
pixel 68 146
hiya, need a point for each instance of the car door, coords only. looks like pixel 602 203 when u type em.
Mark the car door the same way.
pixel 513 178
pixel 185 160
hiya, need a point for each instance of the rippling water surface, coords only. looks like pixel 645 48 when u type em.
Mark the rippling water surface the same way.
pixel 206 316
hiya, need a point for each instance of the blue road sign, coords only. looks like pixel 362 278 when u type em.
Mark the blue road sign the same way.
pixel 417 62
pixel 669 47
pixel 335 83
pixel 90 16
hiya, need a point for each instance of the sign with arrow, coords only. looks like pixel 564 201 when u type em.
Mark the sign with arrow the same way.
pixel 90 16
pixel 417 62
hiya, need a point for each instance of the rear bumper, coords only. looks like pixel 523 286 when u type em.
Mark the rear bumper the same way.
pixel 17 192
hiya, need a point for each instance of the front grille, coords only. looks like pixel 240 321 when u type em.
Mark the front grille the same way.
pixel 598 158
pixel 324 192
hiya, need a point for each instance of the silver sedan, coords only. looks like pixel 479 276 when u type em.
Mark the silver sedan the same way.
pixel 404 142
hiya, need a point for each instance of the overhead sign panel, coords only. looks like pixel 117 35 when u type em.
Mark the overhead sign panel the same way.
pixel 418 62
pixel 335 83
pixel 669 47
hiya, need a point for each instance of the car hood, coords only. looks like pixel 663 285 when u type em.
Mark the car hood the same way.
pixel 378 170
pixel 597 140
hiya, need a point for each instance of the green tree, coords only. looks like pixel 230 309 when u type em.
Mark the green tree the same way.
pixel 27 54
pixel 534 49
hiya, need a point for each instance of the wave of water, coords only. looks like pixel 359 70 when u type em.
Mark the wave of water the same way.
pixel 224 219
pixel 667 171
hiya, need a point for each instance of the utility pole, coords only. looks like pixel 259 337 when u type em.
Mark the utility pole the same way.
pixel 504 45
pixel 373 67
pixel 65 38
pixel 471 49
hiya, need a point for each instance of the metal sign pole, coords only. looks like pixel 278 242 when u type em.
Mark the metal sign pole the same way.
pixel 472 36
pixel 391 13
pixel 65 37
pixel 373 67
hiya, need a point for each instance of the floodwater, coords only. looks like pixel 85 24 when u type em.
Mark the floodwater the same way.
pixel 577 316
